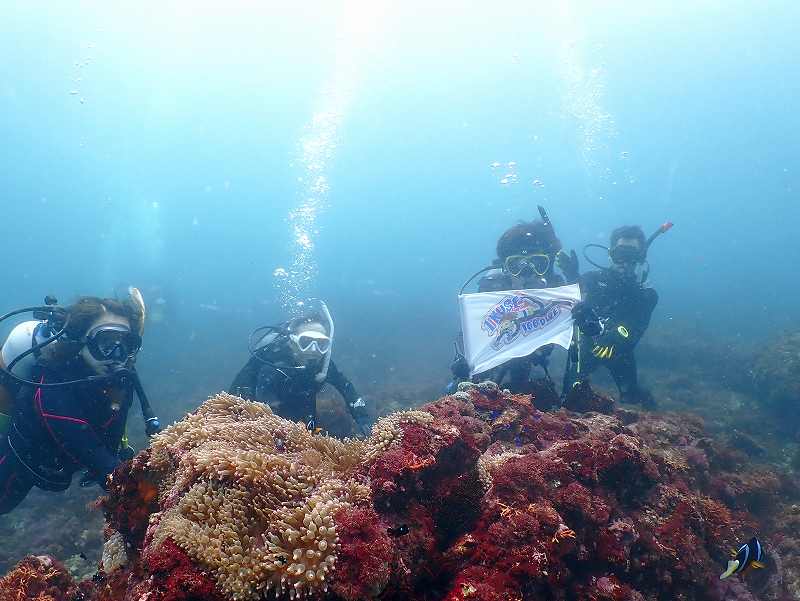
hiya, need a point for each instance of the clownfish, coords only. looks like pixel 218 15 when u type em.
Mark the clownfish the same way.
pixel 750 555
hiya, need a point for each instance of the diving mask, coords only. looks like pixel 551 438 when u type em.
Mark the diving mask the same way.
pixel 626 253
pixel 113 342
pixel 517 265
pixel 311 340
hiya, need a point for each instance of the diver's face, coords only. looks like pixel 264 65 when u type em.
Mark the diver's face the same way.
pixel 112 344
pixel 310 345
pixel 625 255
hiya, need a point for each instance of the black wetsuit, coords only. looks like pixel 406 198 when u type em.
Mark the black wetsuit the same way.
pixel 290 392
pixel 624 307
pixel 59 431
pixel 514 374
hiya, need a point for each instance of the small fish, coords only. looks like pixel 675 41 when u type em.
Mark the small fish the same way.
pixel 750 555
pixel 400 530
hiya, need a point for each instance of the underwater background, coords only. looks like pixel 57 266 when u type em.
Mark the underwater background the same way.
pixel 231 160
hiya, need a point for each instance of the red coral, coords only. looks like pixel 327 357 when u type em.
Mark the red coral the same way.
pixel 41 578
pixel 366 554
pixel 171 575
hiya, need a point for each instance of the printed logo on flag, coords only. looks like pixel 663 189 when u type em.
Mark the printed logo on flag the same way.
pixel 517 314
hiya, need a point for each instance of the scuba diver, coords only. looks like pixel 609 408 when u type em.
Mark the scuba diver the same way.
pixel 289 365
pixel 67 381
pixel 527 254
pixel 621 299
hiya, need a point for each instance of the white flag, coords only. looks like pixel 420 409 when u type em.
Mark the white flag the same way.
pixel 499 326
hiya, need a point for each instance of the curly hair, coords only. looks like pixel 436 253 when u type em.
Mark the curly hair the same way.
pixel 528 236
pixel 87 309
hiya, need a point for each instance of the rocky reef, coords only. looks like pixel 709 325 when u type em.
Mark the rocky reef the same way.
pixel 776 373
pixel 477 496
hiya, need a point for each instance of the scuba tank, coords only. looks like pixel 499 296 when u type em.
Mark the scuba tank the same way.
pixel 14 353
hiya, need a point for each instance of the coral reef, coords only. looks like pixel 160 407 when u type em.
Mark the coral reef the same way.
pixel 477 496
pixel 41 578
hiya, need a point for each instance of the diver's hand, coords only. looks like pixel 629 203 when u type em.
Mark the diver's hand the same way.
pixel 361 416
pixel 460 368
pixel 610 343
pixel 603 351
pixel 568 264
pixel 586 320
pixel 126 453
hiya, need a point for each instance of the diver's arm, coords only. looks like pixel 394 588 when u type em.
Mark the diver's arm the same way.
pixel 341 383
pixel 244 384
pixel 66 419
pixel 355 404
pixel 625 331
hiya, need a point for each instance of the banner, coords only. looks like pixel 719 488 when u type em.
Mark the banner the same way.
pixel 499 326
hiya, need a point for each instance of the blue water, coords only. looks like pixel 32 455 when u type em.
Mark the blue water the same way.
pixel 169 148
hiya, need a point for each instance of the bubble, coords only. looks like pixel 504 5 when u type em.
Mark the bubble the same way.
pixel 624 154
pixel 83 100
pixel 537 183
pixel 195 222
pixel 280 272
pixel 155 204
pixel 495 165
pixel 73 92
pixel 504 181
pixel 512 164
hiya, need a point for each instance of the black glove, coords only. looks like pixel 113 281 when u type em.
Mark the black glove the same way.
pixel 125 453
pixel 568 264
pixel 460 368
pixel 586 319
pixel 612 340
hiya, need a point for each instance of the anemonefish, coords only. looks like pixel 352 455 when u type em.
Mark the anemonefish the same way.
pixel 748 556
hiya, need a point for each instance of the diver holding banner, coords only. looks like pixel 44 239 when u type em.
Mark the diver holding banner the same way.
pixel 527 255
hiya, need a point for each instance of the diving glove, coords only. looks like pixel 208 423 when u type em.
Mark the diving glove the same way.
pixel 568 264
pixel 603 351
pixel 608 342
pixel 126 453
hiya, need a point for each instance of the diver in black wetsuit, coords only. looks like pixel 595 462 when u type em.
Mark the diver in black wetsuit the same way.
pixel 70 398
pixel 624 305
pixel 289 365
pixel 527 254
